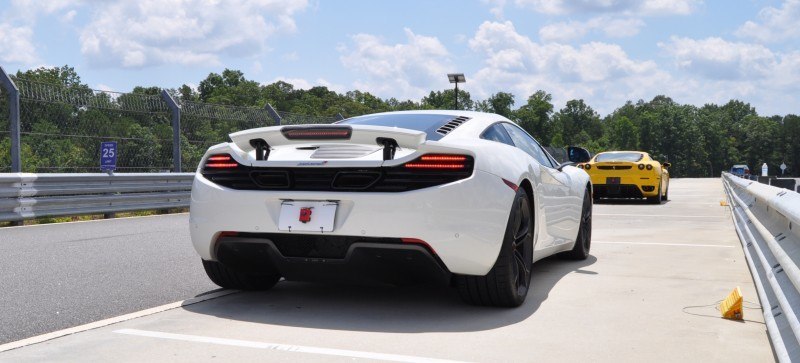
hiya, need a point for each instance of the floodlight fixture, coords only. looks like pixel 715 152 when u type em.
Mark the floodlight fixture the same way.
pixel 456 78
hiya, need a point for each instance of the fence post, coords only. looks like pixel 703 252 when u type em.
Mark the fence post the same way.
pixel 13 119
pixel 176 130
pixel 274 114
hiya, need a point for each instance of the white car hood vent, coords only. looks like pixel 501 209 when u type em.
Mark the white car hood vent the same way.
pixel 343 151
pixel 450 126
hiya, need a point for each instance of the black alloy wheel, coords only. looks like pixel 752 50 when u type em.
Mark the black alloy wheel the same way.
pixel 522 248
pixel 583 242
pixel 508 282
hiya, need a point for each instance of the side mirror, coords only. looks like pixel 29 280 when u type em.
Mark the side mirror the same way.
pixel 578 154
pixel 666 164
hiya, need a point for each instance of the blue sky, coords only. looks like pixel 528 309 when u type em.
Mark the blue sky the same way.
pixel 604 51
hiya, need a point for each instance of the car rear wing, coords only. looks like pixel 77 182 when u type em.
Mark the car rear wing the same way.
pixel 389 137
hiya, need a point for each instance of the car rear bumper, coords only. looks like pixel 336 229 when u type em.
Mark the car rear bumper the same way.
pixel 374 260
pixel 628 187
pixel 463 222
pixel 617 191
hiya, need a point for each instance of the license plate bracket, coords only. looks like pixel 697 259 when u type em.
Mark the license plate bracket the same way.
pixel 307 216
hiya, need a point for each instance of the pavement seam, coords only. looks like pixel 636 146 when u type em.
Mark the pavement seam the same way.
pixel 110 321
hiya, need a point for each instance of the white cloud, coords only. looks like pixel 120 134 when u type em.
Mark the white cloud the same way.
pixel 718 70
pixel 716 58
pixel 497 7
pixel 140 33
pixel 29 10
pixel 611 27
pixel 16 30
pixel 624 7
pixel 404 70
pixel 601 73
pixel 774 25
pixel 16 45
pixel 291 56
pixel 69 16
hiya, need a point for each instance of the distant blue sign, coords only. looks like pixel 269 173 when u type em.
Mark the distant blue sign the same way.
pixel 108 155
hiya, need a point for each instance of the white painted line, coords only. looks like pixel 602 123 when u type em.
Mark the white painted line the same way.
pixel 99 324
pixel 91 220
pixel 660 244
pixel 282 347
pixel 655 215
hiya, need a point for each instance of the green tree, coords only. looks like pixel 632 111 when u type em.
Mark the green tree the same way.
pixel 445 100
pixel 534 116
pixel 499 103
pixel 578 123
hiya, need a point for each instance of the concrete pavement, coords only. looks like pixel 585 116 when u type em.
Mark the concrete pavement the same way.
pixel 647 293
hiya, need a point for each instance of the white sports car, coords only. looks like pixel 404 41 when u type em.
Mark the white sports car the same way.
pixel 465 198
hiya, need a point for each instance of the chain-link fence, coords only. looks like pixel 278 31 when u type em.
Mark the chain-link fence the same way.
pixel 62 126
pixel 204 125
pixel 288 118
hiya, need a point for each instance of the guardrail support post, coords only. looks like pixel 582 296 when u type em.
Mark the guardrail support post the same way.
pixel 274 114
pixel 13 106
pixel 176 130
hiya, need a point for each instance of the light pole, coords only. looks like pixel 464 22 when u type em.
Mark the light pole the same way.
pixel 456 78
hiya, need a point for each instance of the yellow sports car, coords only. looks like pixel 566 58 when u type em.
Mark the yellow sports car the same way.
pixel 628 174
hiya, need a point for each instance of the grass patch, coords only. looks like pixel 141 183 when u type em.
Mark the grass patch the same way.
pixel 49 220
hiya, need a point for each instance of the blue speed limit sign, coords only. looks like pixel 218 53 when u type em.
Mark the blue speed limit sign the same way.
pixel 108 155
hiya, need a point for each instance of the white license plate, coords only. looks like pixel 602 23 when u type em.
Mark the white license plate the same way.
pixel 307 216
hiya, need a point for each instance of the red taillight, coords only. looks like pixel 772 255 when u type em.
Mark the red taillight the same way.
pixel 511 185
pixel 227 234
pixel 416 241
pixel 439 162
pixel 221 161
pixel 448 158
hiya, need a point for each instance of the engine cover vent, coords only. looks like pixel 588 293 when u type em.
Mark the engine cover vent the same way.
pixel 450 126
pixel 343 151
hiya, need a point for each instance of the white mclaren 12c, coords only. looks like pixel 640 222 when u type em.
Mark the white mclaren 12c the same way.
pixel 466 199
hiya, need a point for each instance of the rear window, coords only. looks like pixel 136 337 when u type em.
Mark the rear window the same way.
pixel 421 122
pixel 633 157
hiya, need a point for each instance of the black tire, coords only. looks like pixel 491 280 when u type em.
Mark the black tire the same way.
pixel 657 198
pixel 231 279
pixel 583 243
pixel 666 194
pixel 508 282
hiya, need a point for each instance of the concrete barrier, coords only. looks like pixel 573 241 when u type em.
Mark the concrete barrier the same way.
pixel 767 220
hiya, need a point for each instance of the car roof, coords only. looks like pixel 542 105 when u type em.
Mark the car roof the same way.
pixel 478 121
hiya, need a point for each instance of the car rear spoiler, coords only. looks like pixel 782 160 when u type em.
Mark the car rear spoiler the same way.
pixel 265 137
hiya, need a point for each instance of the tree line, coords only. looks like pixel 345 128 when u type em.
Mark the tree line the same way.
pixel 698 141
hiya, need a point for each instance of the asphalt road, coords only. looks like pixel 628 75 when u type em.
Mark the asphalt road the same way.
pixel 62 275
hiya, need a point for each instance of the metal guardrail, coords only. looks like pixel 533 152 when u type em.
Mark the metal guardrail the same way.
pixel 767 220
pixel 25 196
